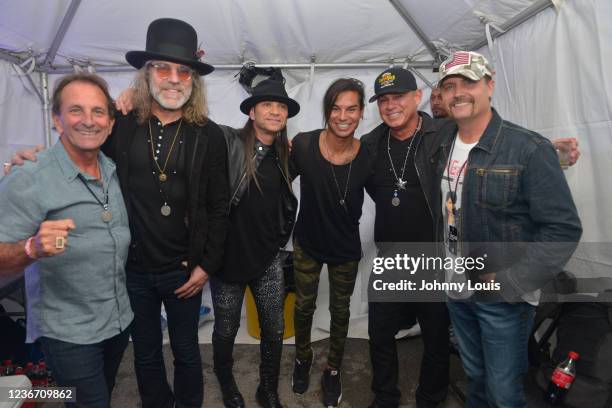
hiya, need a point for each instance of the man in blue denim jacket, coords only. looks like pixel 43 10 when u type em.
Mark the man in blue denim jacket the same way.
pixel 504 200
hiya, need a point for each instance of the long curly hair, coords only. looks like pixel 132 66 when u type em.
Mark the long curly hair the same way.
pixel 195 110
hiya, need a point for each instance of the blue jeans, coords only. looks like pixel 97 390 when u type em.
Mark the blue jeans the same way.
pixel 493 341
pixel 147 292
pixel 91 368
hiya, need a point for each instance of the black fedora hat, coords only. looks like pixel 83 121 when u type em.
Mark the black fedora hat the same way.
pixel 172 40
pixel 270 90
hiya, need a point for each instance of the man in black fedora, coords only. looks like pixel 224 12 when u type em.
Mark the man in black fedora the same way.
pixel 261 217
pixel 172 166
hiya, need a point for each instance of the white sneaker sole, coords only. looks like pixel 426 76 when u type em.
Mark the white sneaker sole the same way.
pixel 337 403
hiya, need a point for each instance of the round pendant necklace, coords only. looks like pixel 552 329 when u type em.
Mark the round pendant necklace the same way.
pixel 400 183
pixel 106 216
pixel 162 171
pixel 348 177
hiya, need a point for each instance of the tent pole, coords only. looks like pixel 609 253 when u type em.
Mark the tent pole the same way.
pixel 10 58
pixel 67 69
pixel 515 21
pixel 61 32
pixel 44 83
pixel 416 29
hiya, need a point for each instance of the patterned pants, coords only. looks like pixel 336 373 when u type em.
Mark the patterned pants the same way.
pixel 341 284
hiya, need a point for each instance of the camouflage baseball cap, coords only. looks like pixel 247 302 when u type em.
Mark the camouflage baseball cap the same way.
pixel 466 63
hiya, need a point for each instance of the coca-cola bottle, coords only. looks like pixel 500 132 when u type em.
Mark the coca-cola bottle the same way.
pixel 7 367
pixel 44 374
pixel 562 379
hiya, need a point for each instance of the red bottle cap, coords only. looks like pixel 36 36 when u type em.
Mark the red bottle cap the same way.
pixel 19 371
pixel 573 355
pixel 30 365
pixel 7 362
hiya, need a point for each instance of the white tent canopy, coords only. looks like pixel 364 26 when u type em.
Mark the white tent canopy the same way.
pixel 551 64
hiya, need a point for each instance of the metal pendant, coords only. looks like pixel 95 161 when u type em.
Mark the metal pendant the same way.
pixel 342 202
pixel 163 177
pixel 106 216
pixel 401 184
pixel 395 201
pixel 165 210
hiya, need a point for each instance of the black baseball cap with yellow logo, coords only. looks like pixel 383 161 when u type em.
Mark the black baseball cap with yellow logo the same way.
pixel 394 80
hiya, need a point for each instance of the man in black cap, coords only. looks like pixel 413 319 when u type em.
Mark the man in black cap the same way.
pixel 172 166
pixel 262 214
pixel 403 215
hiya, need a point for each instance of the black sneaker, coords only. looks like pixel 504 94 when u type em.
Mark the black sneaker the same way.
pixel 301 376
pixel 332 387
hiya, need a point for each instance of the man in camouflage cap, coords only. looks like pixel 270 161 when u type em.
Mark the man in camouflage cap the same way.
pixel 502 187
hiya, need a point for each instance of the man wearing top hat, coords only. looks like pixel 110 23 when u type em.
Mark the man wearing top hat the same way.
pixel 261 217
pixel 172 166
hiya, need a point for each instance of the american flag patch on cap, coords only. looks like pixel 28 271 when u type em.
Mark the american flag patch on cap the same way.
pixel 459 58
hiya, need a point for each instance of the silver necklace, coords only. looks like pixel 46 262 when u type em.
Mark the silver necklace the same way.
pixel 400 183
pixel 348 177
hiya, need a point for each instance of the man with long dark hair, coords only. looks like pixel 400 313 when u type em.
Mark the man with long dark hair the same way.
pixel 333 168
pixel 262 214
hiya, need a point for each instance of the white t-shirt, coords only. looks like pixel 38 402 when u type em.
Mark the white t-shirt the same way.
pixel 452 185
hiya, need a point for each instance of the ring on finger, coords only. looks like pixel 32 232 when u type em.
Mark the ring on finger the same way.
pixel 60 242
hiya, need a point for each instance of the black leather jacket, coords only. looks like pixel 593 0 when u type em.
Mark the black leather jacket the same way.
pixel 424 163
pixel 287 204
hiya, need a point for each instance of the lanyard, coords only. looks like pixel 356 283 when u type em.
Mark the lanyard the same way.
pixel 106 215
pixel 450 157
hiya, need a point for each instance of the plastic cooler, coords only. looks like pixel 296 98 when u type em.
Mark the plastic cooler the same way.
pixel 253 319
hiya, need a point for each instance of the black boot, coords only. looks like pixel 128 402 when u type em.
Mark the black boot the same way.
pixel 223 363
pixel 267 392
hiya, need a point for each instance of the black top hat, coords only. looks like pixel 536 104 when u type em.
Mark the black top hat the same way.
pixel 172 40
pixel 270 90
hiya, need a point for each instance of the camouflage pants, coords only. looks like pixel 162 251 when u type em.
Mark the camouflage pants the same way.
pixel 341 284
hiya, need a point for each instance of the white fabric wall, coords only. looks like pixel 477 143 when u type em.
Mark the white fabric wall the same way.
pixel 20 113
pixel 553 76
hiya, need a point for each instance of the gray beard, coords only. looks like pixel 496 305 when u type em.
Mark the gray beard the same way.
pixel 175 106
pixel 156 92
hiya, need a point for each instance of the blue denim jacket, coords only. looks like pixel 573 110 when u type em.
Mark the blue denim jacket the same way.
pixel 514 191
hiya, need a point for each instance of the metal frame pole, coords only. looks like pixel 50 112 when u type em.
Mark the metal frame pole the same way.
pixel 44 84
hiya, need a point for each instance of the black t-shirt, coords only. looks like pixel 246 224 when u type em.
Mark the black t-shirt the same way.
pixel 326 229
pixel 253 236
pixel 160 243
pixel 411 220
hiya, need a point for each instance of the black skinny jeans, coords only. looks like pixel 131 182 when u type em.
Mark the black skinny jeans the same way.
pixel 269 294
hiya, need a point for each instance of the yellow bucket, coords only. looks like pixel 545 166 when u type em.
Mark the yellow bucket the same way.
pixel 253 319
